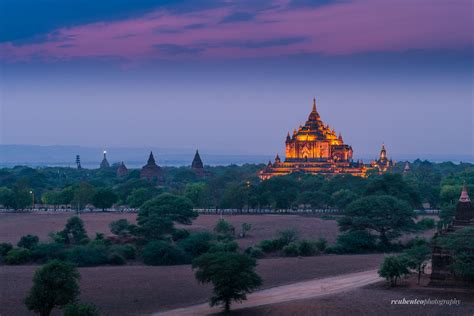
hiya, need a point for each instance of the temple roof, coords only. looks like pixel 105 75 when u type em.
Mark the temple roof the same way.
pixel 151 159
pixel 314 126
pixel 197 162
pixel 104 164
pixel 464 196
pixel 122 169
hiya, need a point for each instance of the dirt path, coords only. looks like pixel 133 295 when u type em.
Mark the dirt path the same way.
pixel 295 291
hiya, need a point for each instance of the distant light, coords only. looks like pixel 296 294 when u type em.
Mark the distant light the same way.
pixel 105 151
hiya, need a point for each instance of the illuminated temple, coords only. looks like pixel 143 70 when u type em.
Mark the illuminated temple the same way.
pixel 315 149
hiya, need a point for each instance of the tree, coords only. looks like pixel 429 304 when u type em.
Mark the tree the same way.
pixel 160 253
pixel 461 246
pixel 74 231
pixel 224 229
pixel 246 227
pixel 6 197
pixel 81 309
pixel 395 186
pixel 28 241
pixel 176 208
pixel 104 198
pixel 156 216
pixel 342 198
pixel 383 214
pixel 232 274
pixel 139 196
pixel 417 257
pixel 393 268
pixel 120 227
pixel 55 284
pixel 83 195
pixel 51 198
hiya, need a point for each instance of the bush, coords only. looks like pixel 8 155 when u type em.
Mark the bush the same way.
pixel 196 244
pixel 115 258
pixel 28 241
pixel 160 253
pixel 270 245
pixel 5 247
pixel 127 251
pixel 307 248
pixel 291 250
pixel 47 251
pixel 18 256
pixel 355 242
pixel 179 234
pixel 321 244
pixel 119 227
pixel 254 252
pixel 425 224
pixel 224 247
pixel 287 236
pixel 81 309
pixel 87 256
pixel 393 268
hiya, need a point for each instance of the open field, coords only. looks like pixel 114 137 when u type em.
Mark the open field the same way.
pixel 374 299
pixel 132 290
pixel 15 225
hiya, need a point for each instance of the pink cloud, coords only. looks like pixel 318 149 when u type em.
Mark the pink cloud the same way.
pixel 344 28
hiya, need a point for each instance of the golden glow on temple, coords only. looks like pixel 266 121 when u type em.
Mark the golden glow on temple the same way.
pixel 314 148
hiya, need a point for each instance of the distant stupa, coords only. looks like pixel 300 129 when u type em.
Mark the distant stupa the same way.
pixel 197 166
pixel 104 164
pixel 78 162
pixel 122 170
pixel 151 170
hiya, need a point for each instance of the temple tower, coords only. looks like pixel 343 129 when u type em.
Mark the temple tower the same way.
pixel 104 164
pixel 151 170
pixel 122 170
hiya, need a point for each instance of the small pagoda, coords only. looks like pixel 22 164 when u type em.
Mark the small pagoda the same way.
pixel 441 261
pixel 382 164
pixel 197 166
pixel 151 170
pixel 122 170
pixel 104 164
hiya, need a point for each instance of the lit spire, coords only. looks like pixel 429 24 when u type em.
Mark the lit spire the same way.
pixel 464 196
pixel 340 136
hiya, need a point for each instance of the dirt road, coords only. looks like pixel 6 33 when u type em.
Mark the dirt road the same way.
pixel 295 291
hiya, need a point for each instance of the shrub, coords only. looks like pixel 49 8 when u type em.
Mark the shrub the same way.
pixel 321 244
pixel 291 250
pixel 18 256
pixel 115 258
pixel 306 248
pixel 393 268
pixel 54 284
pixel 287 236
pixel 179 234
pixel 127 251
pixel 224 247
pixel 254 252
pixel 196 244
pixel 425 224
pixel 5 247
pixel 160 253
pixel 81 309
pixel 87 256
pixel 246 227
pixel 47 251
pixel 28 241
pixel 355 242
pixel 268 245
pixel 119 227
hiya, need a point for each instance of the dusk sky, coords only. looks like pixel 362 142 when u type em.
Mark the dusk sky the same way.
pixel 231 76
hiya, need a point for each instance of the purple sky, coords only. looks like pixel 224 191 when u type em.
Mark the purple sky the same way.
pixel 235 76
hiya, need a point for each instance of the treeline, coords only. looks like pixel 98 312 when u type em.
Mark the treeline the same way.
pixel 238 187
